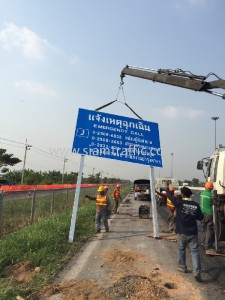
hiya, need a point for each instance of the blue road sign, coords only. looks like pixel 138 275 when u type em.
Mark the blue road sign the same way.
pixel 116 137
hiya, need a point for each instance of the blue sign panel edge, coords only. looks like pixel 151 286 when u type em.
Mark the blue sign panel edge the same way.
pixel 117 137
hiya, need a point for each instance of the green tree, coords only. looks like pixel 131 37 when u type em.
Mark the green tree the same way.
pixel 91 178
pixel 33 177
pixel 7 160
pixel 70 177
pixel 195 182
pixel 98 177
pixel 189 182
pixel 14 175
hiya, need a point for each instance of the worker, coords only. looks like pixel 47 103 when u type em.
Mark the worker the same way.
pixel 187 214
pixel 171 210
pixel 108 208
pixel 101 209
pixel 206 204
pixel 116 198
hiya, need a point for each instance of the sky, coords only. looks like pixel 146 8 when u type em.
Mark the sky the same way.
pixel 59 56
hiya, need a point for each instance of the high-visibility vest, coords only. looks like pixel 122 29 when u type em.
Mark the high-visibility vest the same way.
pixel 116 194
pixel 169 204
pixel 101 202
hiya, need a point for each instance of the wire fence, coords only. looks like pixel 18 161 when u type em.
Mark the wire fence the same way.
pixel 23 208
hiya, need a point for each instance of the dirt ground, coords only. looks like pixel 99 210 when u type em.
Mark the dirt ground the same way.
pixel 125 263
pixel 129 278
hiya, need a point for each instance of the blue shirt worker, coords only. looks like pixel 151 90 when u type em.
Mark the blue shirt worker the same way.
pixel 187 214
pixel 101 209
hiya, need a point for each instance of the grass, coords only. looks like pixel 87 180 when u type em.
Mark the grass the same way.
pixel 16 213
pixel 46 245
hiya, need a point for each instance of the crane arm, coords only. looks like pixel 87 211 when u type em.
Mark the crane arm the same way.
pixel 179 78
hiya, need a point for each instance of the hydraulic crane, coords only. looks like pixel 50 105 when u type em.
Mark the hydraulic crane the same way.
pixel 179 78
pixel 215 165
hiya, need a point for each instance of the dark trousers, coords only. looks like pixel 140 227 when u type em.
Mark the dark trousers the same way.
pixel 115 207
pixel 208 236
pixel 171 219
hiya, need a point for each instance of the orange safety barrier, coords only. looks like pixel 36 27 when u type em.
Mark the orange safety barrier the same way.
pixel 14 188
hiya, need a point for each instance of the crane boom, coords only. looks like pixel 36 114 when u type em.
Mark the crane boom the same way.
pixel 179 78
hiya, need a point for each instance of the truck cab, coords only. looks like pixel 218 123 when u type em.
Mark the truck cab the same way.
pixel 142 189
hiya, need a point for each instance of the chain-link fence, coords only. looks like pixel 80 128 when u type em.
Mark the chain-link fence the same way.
pixel 19 209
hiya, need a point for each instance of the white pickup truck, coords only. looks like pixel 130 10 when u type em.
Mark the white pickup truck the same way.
pixel 142 189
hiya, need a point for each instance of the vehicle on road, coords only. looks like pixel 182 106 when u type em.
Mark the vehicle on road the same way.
pixel 142 189
pixel 214 170
pixel 6 182
pixel 160 186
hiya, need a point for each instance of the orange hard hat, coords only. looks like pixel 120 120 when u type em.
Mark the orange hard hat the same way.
pixel 209 185
pixel 171 188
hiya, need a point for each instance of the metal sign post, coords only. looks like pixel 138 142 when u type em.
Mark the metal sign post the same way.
pixel 153 201
pixel 76 200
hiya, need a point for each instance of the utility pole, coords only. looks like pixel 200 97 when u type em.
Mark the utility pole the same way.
pixel 172 165
pixel 27 147
pixel 64 164
pixel 215 119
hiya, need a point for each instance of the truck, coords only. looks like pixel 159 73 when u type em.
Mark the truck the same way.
pixel 160 186
pixel 6 182
pixel 142 189
pixel 213 166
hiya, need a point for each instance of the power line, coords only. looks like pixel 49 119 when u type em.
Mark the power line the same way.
pixel 11 145
pixel 40 151
pixel 12 141
pixel 46 153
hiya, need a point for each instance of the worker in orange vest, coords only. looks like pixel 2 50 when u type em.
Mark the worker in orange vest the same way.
pixel 116 198
pixel 101 209
pixel 171 209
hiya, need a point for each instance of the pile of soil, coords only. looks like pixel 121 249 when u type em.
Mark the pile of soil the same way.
pixel 129 277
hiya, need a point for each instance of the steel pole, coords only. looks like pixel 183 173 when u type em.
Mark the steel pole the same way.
pixel 27 147
pixel 172 165
pixel 76 200
pixel 153 202
pixel 64 164
pixel 215 119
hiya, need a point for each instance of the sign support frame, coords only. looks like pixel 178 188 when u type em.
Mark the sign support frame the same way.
pixel 153 202
pixel 76 201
